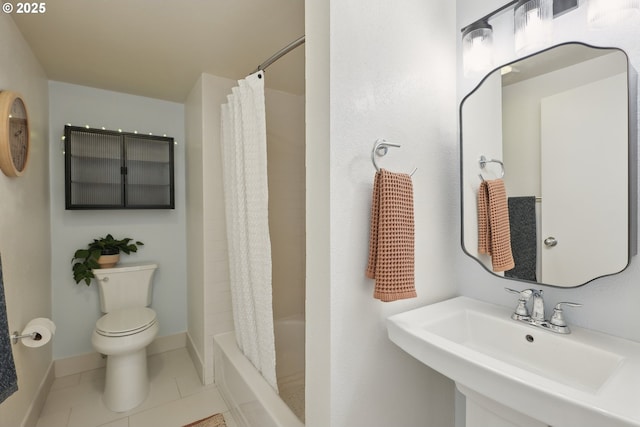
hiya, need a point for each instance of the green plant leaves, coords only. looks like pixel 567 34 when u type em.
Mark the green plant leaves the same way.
pixel 88 258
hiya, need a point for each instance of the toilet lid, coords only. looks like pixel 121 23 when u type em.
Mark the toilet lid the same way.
pixel 126 321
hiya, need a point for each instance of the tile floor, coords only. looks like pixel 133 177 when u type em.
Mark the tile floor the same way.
pixel 177 397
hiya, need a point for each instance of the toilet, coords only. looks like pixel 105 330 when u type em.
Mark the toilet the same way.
pixel 124 333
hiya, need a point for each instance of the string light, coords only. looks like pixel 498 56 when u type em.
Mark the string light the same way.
pixel 62 138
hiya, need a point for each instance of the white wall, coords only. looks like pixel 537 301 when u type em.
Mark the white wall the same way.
pixel 195 238
pixel 24 227
pixel 76 306
pixel 209 297
pixel 391 74
pixel 610 303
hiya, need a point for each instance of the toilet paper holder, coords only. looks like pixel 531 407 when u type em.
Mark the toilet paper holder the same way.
pixel 16 336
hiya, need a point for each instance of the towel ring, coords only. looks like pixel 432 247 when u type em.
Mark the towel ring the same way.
pixel 380 148
pixel 483 162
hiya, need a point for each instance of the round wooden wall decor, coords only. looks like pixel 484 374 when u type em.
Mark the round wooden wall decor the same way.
pixel 14 133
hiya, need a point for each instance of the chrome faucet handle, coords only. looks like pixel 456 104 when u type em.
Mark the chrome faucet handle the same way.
pixel 557 318
pixel 521 312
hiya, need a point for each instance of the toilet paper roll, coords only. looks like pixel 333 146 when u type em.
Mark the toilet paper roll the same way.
pixel 44 330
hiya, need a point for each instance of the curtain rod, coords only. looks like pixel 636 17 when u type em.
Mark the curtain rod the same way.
pixel 279 54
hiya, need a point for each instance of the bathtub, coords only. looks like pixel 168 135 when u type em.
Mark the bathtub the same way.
pixel 250 398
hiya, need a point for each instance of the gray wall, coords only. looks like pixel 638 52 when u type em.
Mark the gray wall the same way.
pixel 76 306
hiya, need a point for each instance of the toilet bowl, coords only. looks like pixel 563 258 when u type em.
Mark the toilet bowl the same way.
pixel 123 336
pixel 124 333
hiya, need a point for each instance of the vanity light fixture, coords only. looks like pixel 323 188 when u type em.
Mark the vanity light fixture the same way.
pixel 561 7
pixel 477 46
pixel 601 13
pixel 532 24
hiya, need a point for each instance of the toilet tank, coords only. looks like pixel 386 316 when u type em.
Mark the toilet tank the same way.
pixel 125 286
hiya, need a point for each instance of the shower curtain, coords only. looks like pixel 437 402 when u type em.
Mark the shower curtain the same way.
pixel 244 150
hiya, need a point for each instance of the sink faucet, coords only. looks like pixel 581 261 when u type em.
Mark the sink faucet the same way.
pixel 537 312
pixel 557 322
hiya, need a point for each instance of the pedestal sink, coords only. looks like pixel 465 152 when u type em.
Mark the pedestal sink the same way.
pixel 522 374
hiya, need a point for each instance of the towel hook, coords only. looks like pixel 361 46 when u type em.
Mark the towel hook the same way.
pixel 483 162
pixel 380 148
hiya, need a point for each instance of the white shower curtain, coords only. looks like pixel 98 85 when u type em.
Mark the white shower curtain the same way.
pixel 244 150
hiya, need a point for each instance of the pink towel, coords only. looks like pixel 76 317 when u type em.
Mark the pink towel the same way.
pixel 391 239
pixel 494 233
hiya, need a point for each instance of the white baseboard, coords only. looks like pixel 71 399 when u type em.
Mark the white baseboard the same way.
pixel 76 364
pixel 196 359
pixel 35 408
pixel 167 343
pixel 86 362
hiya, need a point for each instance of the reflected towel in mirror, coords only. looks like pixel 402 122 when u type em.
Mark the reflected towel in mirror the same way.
pixel 494 234
pixel 522 224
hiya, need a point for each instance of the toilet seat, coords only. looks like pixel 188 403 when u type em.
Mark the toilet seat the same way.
pixel 125 322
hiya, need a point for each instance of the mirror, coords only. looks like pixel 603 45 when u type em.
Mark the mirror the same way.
pixel 561 126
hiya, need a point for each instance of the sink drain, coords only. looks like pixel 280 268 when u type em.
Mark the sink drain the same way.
pixel 529 338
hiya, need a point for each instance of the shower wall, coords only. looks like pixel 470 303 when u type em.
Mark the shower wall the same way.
pixel 286 169
pixel 208 294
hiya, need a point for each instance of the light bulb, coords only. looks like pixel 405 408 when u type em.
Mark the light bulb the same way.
pixel 603 13
pixel 533 25
pixel 477 49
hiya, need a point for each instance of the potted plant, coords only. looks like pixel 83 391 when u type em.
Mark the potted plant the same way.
pixel 101 253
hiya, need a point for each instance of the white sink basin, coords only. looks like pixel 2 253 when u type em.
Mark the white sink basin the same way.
pixel 581 379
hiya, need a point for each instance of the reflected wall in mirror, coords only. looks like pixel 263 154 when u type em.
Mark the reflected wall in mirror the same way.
pixel 563 123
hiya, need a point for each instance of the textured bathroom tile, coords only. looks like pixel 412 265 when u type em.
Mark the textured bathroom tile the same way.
pixel 84 393
pixel 219 300
pixel 91 412
pixel 189 383
pixel 168 365
pixel 66 381
pixel 95 375
pixel 217 251
pixel 122 422
pixel 94 413
pixel 181 412
pixel 229 420
pixel 55 419
pixel 76 401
